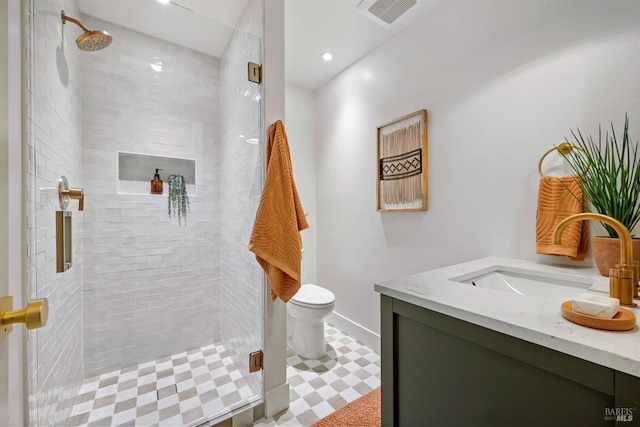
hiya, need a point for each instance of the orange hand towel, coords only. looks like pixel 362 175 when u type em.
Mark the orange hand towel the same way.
pixel 559 198
pixel 275 238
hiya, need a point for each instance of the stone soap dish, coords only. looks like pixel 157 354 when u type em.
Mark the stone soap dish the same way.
pixel 622 321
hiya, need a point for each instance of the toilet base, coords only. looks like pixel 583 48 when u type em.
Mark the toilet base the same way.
pixel 307 339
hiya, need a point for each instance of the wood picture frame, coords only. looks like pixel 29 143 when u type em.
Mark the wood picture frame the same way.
pixel 402 164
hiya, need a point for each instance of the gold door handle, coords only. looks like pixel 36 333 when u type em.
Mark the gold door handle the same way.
pixel 34 315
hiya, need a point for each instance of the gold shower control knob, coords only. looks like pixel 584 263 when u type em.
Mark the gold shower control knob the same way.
pixel 34 315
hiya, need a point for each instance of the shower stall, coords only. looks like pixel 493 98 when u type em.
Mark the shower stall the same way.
pixel 152 320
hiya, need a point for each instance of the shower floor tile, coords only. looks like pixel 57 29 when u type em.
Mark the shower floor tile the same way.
pixel 320 386
pixel 173 391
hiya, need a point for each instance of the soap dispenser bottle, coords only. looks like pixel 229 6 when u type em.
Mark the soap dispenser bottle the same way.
pixel 156 183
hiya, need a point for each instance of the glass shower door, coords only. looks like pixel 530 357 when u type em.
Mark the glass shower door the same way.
pixel 153 319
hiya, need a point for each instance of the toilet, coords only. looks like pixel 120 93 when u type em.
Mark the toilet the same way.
pixel 306 312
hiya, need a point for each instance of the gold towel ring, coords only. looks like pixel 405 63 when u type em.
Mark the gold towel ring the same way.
pixel 563 148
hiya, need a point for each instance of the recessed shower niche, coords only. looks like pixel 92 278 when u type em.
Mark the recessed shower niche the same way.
pixel 135 172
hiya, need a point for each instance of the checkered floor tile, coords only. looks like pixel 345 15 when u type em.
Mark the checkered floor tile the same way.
pixel 174 391
pixel 319 387
pixel 182 389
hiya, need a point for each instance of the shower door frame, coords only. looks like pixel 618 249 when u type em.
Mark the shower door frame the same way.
pixel 13 396
pixel 275 396
pixel 275 385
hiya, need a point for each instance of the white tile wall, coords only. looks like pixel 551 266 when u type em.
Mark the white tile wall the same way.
pixel 144 287
pixel 241 186
pixel 54 149
pixel 150 285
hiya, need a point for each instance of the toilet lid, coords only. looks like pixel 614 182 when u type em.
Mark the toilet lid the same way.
pixel 313 295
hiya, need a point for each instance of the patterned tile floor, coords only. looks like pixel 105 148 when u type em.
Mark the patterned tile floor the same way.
pixel 206 383
pixel 174 391
pixel 319 387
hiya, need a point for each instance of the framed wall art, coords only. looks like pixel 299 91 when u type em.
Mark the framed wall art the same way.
pixel 402 164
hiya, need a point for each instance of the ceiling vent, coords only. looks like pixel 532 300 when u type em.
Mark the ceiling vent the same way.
pixel 385 12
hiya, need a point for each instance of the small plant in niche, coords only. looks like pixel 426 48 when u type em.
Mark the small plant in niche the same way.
pixel 178 198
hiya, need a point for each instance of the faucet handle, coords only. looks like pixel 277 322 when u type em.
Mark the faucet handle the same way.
pixel 622 281
pixel 65 193
pixel 635 265
pixel 77 193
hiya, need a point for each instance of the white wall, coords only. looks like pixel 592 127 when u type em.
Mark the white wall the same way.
pixel 503 81
pixel 54 148
pixel 150 286
pixel 300 124
pixel 276 387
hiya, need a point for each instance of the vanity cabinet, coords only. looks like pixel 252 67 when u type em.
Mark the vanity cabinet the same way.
pixel 438 370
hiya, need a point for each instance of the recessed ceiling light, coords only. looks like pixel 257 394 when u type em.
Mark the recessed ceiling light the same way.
pixel 327 56
pixel 163 1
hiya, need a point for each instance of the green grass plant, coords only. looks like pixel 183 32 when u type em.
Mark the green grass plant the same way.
pixel 178 198
pixel 610 173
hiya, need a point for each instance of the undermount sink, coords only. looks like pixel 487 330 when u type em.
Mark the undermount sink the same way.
pixel 557 287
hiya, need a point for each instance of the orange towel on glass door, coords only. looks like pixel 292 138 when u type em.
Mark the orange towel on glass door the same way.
pixel 559 198
pixel 275 238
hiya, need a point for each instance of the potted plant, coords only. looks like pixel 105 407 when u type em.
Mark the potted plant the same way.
pixel 178 198
pixel 610 180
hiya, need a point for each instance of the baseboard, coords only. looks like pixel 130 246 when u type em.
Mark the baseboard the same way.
pixel 355 331
pixel 276 400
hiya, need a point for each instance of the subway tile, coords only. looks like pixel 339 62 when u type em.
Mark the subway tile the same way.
pixel 180 268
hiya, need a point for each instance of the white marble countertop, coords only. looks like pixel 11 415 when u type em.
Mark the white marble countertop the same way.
pixel 536 320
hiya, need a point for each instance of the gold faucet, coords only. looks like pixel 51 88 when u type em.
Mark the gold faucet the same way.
pixel 623 279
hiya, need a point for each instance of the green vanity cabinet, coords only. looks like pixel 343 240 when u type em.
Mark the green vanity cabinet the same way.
pixel 441 371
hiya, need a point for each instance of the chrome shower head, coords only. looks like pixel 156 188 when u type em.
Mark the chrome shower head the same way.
pixel 89 40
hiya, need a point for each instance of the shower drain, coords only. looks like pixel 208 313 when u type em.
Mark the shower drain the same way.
pixel 167 391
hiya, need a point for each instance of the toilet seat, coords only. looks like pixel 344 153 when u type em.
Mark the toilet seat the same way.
pixel 313 296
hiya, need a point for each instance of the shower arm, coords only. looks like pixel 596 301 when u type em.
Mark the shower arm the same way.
pixel 75 21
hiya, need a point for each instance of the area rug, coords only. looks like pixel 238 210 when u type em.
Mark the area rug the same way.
pixel 362 412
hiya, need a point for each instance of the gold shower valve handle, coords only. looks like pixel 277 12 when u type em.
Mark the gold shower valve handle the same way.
pixel 34 315
pixel 75 193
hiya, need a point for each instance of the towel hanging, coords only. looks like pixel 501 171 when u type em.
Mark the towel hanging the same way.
pixel 275 238
pixel 559 198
